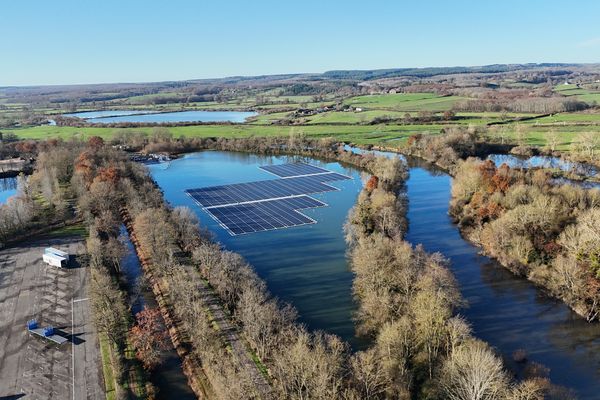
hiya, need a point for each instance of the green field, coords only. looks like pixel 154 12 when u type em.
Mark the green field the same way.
pixel 351 117
pixel 589 96
pixel 568 118
pixel 265 119
pixel 360 134
pixel 405 102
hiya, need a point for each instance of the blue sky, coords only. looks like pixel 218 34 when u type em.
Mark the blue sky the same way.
pixel 65 42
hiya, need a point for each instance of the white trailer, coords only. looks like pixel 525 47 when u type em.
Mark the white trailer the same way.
pixel 55 260
pixel 57 252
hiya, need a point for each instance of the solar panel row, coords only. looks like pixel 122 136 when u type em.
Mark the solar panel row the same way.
pixel 266 205
pixel 296 169
pixel 263 190
pixel 264 215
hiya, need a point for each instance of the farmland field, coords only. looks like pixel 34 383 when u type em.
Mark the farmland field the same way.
pixel 361 134
pixel 405 102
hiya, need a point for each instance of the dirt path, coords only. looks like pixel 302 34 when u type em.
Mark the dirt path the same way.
pixel 238 345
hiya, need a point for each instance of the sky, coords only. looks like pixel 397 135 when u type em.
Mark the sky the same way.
pixel 103 41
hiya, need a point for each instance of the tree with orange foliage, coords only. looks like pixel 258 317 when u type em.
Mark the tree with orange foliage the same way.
pixel 149 337
pixel 84 165
pixel 107 174
pixel 372 183
pixel 26 146
pixel 95 142
pixel 414 139
pixel 501 180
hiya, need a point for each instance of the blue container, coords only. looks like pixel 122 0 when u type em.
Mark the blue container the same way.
pixel 32 324
pixel 48 331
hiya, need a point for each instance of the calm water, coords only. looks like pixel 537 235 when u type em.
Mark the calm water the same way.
pixel 543 162
pixel 105 113
pixel 305 266
pixel 107 117
pixel 169 377
pixel 8 188
pixel 506 311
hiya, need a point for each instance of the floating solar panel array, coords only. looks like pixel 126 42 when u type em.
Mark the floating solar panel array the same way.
pixel 266 205
pixel 297 169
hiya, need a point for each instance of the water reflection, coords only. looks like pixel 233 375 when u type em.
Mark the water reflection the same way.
pixel 306 265
pixel 544 162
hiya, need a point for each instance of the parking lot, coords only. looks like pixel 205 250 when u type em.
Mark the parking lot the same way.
pixel 32 367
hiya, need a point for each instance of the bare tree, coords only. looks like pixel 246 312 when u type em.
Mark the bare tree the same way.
pixel 474 372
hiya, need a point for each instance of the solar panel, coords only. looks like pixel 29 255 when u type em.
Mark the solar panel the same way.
pixel 270 204
pixel 295 169
pixel 263 190
pixel 264 215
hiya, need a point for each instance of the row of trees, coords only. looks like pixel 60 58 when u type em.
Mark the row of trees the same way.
pixel 43 199
pixel 536 105
pixel 100 177
pixel 546 232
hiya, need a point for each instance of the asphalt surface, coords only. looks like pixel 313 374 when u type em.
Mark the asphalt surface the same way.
pixel 30 366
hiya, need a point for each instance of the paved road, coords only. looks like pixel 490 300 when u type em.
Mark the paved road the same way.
pixel 31 367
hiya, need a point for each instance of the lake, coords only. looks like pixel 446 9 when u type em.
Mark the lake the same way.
pixel 306 265
pixel 145 116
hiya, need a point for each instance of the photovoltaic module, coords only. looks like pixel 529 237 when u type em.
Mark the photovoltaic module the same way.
pixel 270 204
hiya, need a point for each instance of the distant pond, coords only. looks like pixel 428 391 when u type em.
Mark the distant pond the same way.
pixel 145 116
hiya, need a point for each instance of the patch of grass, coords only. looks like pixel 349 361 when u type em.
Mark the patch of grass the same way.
pixel 350 117
pixel 538 136
pixel 77 229
pixel 109 379
pixel 261 367
pixel 567 118
pixel 265 119
pixel 136 382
